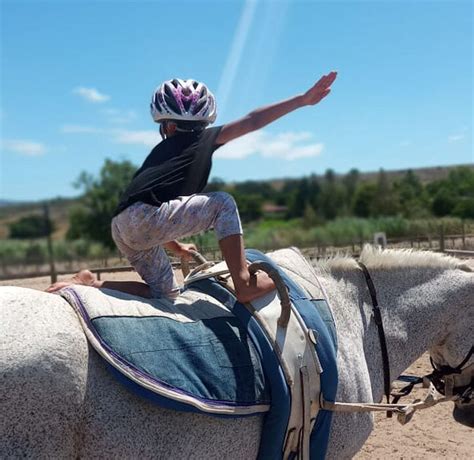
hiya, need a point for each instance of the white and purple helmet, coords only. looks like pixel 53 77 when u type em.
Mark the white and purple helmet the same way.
pixel 183 100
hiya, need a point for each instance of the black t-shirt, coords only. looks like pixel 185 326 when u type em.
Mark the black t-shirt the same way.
pixel 177 166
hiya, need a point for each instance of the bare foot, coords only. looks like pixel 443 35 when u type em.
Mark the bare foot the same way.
pixel 84 278
pixel 256 286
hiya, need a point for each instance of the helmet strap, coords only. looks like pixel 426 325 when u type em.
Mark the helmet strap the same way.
pixel 162 131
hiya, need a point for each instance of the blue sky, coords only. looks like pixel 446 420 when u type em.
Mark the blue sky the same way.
pixel 77 77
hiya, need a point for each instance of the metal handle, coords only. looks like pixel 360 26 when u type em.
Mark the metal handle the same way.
pixel 281 288
pixel 198 258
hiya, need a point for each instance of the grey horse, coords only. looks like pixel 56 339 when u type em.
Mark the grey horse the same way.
pixel 59 401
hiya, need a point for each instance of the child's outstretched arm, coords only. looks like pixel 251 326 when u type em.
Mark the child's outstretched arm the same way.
pixel 265 115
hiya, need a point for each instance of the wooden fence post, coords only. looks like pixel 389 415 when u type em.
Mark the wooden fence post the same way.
pixel 47 223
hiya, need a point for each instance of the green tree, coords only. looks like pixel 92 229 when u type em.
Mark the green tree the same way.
pixel 250 206
pixel 453 195
pixel 33 226
pixel 298 195
pixel 385 200
pixel 464 208
pixel 314 194
pixel 216 184
pixel 253 187
pixel 363 199
pixel 412 197
pixel 332 199
pixel 101 196
pixel 443 202
pixel 79 220
pixel 350 181
pixel 461 181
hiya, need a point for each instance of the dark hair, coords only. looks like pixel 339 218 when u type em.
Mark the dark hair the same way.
pixel 189 125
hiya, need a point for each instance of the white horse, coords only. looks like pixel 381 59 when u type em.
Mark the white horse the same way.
pixel 59 401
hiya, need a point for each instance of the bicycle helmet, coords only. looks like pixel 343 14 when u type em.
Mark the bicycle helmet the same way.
pixel 183 101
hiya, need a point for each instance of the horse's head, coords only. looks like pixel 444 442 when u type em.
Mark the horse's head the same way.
pixel 463 413
pixel 453 360
pixel 445 305
pixel 458 381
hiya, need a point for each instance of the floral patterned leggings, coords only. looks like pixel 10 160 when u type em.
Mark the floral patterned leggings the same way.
pixel 140 231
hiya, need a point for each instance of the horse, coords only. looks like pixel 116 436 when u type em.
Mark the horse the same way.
pixel 60 401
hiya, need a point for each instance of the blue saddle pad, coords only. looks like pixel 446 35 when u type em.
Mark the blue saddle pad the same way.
pixel 210 359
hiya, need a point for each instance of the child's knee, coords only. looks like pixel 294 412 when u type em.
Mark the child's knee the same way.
pixel 226 201
pixel 227 220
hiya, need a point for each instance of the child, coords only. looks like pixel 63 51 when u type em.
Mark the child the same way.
pixel 164 200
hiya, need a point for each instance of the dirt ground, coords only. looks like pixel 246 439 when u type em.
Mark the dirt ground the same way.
pixel 432 433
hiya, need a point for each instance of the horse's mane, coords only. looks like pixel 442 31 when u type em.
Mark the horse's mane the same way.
pixel 395 258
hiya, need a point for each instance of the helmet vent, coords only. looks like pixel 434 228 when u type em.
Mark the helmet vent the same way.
pixel 187 103
pixel 200 105
pixel 171 103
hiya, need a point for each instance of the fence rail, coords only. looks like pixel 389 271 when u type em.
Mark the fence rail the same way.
pixel 97 271
pixel 439 243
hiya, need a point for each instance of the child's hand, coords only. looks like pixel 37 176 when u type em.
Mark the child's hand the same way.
pixel 186 250
pixel 320 90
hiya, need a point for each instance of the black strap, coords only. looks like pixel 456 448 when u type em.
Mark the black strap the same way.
pixel 439 372
pixel 380 329
pixel 446 370
pixel 466 359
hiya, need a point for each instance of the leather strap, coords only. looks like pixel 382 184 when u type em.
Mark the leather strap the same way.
pixel 380 329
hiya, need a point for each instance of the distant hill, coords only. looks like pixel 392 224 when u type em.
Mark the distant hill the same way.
pixel 424 174
pixel 10 211
pixel 6 203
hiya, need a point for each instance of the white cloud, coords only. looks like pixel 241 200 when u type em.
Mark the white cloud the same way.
pixel 119 116
pixel 80 129
pixel 455 137
pixel 24 147
pixel 149 138
pixel 91 94
pixel 287 146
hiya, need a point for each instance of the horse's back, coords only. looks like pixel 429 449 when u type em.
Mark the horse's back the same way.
pixel 61 402
pixel 43 372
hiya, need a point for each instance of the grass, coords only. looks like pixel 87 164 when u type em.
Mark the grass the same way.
pixel 268 234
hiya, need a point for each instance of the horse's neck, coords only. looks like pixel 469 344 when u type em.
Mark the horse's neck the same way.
pixel 417 307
